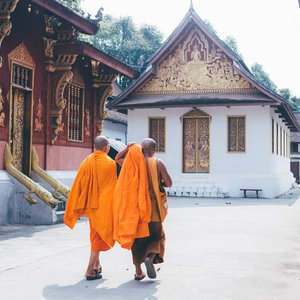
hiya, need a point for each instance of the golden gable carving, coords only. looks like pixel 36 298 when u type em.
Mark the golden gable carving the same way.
pixel 196 66
pixel 22 56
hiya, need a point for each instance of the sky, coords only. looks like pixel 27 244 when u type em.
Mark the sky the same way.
pixel 267 31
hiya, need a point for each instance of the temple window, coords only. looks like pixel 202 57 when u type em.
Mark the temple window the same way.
pixel 157 132
pixel 75 113
pixel 21 76
pixel 236 134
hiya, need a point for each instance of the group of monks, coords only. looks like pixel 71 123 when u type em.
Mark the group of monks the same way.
pixel 128 209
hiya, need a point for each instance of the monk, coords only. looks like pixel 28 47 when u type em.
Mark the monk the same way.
pixel 91 196
pixel 150 250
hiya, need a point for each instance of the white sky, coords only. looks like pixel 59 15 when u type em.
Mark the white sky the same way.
pixel 267 31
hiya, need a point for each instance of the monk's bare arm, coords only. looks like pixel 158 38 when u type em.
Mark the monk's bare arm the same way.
pixel 121 155
pixel 162 170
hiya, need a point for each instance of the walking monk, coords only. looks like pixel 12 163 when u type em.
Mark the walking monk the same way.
pixel 91 196
pixel 150 249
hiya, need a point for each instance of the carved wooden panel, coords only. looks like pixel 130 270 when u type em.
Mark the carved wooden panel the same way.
pixel 196 150
pixel 157 131
pixel 196 65
pixel 203 145
pixel 236 134
pixel 189 145
pixel 18 128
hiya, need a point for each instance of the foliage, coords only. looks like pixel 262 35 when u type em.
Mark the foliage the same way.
pixel 231 42
pixel 125 41
pixel 73 4
pixel 263 77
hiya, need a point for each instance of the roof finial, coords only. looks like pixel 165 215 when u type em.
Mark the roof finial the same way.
pixel 191 5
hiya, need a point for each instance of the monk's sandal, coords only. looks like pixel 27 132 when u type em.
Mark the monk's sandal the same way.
pixel 150 268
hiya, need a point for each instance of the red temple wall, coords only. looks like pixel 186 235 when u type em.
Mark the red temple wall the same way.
pixel 65 158
pixel 2 149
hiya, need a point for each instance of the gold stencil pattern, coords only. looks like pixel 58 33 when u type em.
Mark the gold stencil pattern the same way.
pixel 196 154
pixel 18 128
pixel 196 66
pixel 157 132
pixel 236 134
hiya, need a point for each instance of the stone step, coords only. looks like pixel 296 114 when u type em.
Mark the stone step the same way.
pixel 209 191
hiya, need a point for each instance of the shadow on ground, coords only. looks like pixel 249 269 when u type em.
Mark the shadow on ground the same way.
pixel 287 199
pixel 93 290
pixel 25 231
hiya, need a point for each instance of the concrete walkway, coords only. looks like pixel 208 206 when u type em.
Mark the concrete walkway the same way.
pixel 234 249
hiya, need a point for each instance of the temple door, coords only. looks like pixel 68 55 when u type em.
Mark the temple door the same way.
pixel 21 130
pixel 196 153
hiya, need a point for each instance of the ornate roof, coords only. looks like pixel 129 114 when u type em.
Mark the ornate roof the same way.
pixel 195 67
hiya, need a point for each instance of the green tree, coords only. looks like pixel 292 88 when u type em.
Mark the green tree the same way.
pixel 231 42
pixel 124 40
pixel 73 4
pixel 263 77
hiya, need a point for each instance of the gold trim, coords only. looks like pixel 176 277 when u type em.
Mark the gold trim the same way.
pixel 59 186
pixel 33 187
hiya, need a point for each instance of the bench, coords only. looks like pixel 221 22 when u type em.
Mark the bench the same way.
pixel 252 190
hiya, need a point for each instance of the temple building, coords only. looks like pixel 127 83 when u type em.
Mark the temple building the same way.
pixel 217 128
pixel 53 87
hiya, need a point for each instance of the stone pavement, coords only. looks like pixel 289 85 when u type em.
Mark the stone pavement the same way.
pixel 217 249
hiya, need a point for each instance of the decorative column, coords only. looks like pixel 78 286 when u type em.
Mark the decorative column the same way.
pixel 6 8
pixel 58 41
pixel 103 88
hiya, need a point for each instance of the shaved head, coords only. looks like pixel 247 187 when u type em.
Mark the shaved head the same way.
pixel 101 142
pixel 148 147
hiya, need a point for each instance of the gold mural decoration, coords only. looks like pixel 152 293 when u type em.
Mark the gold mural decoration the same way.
pixel 38 122
pixel 87 129
pixel 60 103
pixel 49 47
pixel 33 187
pixel 196 66
pixel 2 113
pixel 196 142
pixel 56 184
pixel 21 55
pixel 18 127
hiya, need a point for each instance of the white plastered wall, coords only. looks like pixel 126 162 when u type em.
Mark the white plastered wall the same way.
pixel 256 168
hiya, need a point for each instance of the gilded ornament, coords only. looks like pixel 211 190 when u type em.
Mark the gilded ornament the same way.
pixel 196 67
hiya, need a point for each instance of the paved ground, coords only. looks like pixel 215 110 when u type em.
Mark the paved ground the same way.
pixel 235 249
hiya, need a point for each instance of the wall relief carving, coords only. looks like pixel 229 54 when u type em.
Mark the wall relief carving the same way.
pixel 2 113
pixel 196 66
pixel 38 121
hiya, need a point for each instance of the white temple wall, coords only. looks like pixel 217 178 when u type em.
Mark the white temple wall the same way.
pixel 256 168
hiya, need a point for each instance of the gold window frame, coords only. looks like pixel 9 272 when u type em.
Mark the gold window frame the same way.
pixel 165 131
pixel 82 117
pixel 227 129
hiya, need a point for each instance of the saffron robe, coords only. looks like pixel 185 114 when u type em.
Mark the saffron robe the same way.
pixel 132 204
pixel 92 195
pixel 155 242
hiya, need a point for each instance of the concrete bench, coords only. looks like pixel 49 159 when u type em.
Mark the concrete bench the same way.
pixel 251 190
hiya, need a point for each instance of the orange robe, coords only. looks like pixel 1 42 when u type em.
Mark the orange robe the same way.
pixel 91 196
pixel 155 242
pixel 132 204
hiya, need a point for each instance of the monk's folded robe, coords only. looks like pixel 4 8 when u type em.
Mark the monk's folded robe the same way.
pixel 132 204
pixel 92 195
